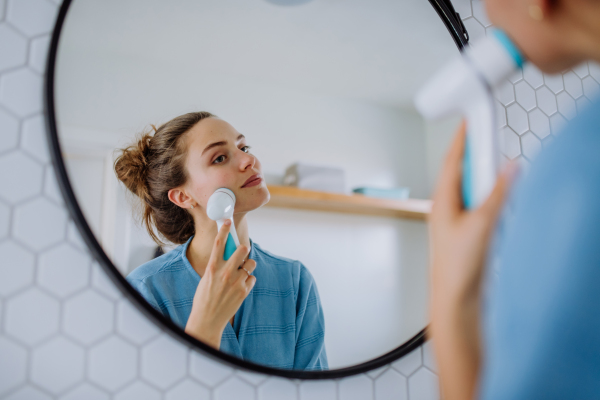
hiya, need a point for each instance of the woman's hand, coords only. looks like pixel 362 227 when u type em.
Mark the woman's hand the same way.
pixel 459 243
pixel 221 291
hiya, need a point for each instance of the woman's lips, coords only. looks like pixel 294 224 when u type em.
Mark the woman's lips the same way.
pixel 253 181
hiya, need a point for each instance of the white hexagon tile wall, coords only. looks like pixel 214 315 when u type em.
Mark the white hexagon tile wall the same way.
pixel 67 333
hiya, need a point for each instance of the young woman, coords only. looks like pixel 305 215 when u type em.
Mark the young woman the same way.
pixel 541 333
pixel 268 311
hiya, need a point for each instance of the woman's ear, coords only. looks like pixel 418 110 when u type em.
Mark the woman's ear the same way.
pixel 180 198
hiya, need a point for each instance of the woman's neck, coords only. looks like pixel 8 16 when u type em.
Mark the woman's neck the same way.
pixel 199 251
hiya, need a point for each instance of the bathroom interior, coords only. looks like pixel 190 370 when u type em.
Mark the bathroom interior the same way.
pixel 320 84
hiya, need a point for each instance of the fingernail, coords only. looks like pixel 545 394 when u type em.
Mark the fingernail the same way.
pixel 227 222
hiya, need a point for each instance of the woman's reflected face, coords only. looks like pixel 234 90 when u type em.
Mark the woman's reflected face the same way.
pixel 218 156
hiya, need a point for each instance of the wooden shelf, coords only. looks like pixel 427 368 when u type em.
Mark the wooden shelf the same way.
pixel 302 199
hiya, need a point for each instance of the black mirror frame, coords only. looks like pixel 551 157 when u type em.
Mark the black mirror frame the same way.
pixel 458 32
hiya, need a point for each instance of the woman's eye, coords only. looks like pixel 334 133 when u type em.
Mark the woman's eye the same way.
pixel 246 149
pixel 218 158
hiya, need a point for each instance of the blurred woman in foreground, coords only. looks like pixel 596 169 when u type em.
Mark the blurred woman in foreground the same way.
pixel 538 336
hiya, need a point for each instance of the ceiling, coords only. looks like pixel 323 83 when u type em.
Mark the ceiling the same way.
pixel 374 50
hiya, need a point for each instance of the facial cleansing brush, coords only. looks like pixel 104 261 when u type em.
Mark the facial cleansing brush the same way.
pixel 220 208
pixel 465 87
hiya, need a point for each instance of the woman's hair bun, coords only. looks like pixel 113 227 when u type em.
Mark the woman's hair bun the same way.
pixel 131 166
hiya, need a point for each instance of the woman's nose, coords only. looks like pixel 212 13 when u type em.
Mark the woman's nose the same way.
pixel 248 161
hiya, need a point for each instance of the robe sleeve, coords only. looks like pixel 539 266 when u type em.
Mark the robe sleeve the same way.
pixel 143 289
pixel 310 351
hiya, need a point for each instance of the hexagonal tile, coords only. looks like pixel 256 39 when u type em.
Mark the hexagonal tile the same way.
pixel 13 365
pixel 208 371
pixel 357 387
pixel 517 118
pixel 539 123
pixel 31 316
pixel 39 223
pixel 591 88
pixel 133 325
pixel 74 236
pixel 566 105
pixel 582 70
pixel 554 82
pixel 375 373
pixel 163 361
pixel 573 84
pixel 32 17
pixel 409 363
pixel 22 175
pixel 13 47
pixel 278 389
pixel 234 389
pixel 480 14
pixel 582 104
pixel 63 270
pixel 51 189
pixel 557 123
pixel 4 222
pixel 546 101
pixel 188 389
pixel 138 390
pixel 525 96
pixel 38 53
pixel 57 365
pixel 85 391
pixel 530 145
pixel 391 385
pixel 510 145
pixel 547 141
pixel 103 284
pixel 28 393
pixel 428 357
pixel 423 385
pixel 463 7
pixel 9 126
pixel 594 71
pixel 533 76
pixel 317 390
pixel 88 317
pixel 500 114
pixel 33 138
pixel 252 378
pixel 16 269
pixel 516 76
pixel 475 29
pixel 112 363
pixel 505 93
pixel 21 92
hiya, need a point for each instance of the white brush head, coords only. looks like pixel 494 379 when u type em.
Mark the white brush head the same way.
pixel 220 204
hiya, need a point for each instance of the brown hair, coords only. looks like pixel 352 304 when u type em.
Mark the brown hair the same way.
pixel 151 167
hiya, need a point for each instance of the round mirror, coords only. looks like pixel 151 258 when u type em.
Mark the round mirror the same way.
pixel 303 110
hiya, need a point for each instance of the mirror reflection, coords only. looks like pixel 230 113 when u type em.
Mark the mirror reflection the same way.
pixel 303 114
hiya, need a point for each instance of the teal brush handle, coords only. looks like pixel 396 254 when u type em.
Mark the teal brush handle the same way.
pixel 230 247
pixel 467 178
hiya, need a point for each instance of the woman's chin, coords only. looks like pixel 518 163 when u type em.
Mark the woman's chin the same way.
pixel 253 198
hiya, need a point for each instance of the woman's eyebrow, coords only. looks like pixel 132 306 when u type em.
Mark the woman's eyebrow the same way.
pixel 221 143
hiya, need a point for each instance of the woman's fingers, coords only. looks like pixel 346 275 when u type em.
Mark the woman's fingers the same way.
pixel 493 204
pixel 237 258
pixel 219 244
pixel 249 265
pixel 448 196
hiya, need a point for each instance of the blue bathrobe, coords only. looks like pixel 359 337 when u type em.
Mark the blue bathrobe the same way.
pixel 280 324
